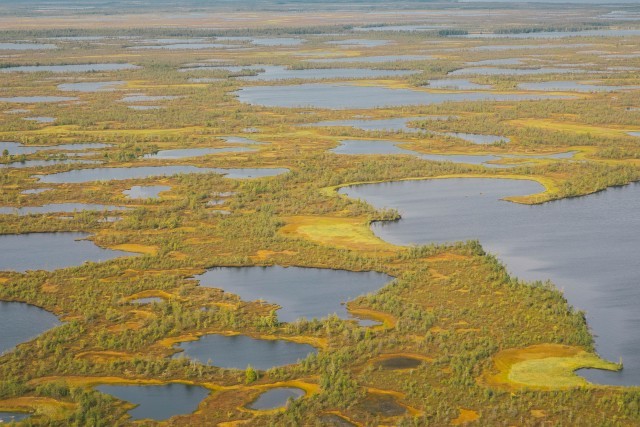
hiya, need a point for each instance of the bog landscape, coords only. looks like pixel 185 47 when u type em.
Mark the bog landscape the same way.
pixel 303 213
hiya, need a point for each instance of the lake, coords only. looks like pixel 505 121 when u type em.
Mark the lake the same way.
pixel 50 251
pixel 344 96
pixel 58 208
pixel 20 322
pixel 239 351
pixel 301 292
pixel 158 402
pixel 145 191
pixel 276 398
pixel 587 246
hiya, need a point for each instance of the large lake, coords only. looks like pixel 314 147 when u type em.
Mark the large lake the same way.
pixel 301 292
pixel 343 96
pixel 587 246
pixel 50 251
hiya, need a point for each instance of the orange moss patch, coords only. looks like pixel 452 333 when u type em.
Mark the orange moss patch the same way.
pixel 50 288
pixel 264 254
pixel 388 321
pixel 149 294
pixel 538 413
pixel 133 247
pixel 466 416
pixel 447 256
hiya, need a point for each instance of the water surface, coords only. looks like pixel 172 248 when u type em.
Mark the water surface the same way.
pixel 337 96
pixel 13 417
pixel 360 42
pixel 457 84
pixel 301 292
pixel 158 402
pixel 239 351
pixel 587 246
pixel 58 208
pixel 20 322
pixel 37 99
pixel 50 251
pixel 274 72
pixel 145 191
pixel 27 46
pixel 276 398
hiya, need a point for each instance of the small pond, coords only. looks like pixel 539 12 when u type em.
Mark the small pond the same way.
pixel 239 351
pixel 301 292
pixel 37 99
pixel 58 208
pixel 158 402
pixel 145 191
pixel 20 322
pixel 276 398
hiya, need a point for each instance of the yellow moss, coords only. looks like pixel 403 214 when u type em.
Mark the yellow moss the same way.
pixel 104 356
pixel 544 366
pixel 578 128
pixel 51 408
pixel 346 233
pixel 388 321
pixel 133 247
pixel 150 293
pixel 466 416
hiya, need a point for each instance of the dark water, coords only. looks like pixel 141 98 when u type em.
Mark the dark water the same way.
pixel 20 322
pixel 59 207
pixel 343 96
pixel 50 251
pixel 141 172
pixel 301 292
pixel 40 163
pixel 12 417
pixel 276 398
pixel 587 246
pixel 239 351
pixel 145 191
pixel 158 402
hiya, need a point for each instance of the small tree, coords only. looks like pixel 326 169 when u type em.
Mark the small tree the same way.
pixel 250 375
